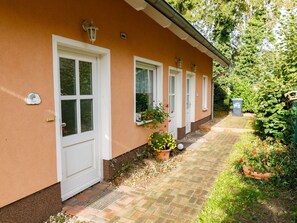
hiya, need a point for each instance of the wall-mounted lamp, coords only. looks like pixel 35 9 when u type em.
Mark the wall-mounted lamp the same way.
pixel 193 67
pixel 179 62
pixel 90 29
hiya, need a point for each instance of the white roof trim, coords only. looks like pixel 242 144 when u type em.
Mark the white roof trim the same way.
pixel 169 18
pixel 158 17
pixel 137 4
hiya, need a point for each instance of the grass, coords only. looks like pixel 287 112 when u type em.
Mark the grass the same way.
pixel 238 199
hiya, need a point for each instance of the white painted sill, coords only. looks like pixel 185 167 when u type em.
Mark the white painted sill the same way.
pixel 143 122
pixel 204 109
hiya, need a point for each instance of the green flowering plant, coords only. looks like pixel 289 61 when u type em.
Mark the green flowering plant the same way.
pixel 161 141
pixel 265 156
pixel 153 117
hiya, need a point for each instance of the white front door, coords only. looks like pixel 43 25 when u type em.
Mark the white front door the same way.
pixel 188 105
pixel 79 135
pixel 190 100
pixel 172 128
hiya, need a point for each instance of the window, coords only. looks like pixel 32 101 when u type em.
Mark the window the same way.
pixel 204 92
pixel 148 84
pixel 145 86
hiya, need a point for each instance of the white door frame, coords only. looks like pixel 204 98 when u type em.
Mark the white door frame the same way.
pixel 192 85
pixel 104 95
pixel 179 90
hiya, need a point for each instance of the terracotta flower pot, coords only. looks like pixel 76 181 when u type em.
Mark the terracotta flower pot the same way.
pixel 163 155
pixel 248 172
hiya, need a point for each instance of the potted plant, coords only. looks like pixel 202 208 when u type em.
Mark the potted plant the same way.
pixel 162 143
pixel 263 159
pixel 152 117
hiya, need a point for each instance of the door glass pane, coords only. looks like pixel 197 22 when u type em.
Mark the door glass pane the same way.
pixel 144 89
pixel 86 117
pixel 188 86
pixel 85 77
pixel 67 76
pixel 171 84
pixel 188 101
pixel 69 117
pixel 171 104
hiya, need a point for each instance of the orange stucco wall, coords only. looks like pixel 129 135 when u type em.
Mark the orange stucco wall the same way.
pixel 27 140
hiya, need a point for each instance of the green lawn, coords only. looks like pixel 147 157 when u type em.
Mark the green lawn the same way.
pixel 238 199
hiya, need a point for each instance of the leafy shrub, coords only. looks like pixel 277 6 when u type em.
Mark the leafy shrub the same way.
pixel 221 100
pixel 242 88
pixel 233 86
pixel 273 118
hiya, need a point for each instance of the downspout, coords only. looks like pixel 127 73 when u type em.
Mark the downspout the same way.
pixel 212 98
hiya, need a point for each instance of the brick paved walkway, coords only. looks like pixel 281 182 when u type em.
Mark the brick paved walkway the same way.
pixel 177 197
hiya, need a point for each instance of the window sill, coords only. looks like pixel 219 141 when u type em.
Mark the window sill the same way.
pixel 204 109
pixel 138 123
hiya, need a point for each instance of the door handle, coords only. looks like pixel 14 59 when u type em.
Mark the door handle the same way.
pixel 63 125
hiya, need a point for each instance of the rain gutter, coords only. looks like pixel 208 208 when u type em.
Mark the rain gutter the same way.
pixel 165 9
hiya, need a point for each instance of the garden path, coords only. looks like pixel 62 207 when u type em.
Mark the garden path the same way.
pixel 176 197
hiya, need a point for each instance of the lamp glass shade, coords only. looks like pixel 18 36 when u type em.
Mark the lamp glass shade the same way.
pixel 92 33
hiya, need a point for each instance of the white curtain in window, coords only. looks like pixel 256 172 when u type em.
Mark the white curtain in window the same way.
pixel 144 82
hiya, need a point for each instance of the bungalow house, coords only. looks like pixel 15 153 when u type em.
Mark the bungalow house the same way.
pixel 69 98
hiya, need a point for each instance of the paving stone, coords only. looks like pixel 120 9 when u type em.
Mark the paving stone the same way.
pixel 179 196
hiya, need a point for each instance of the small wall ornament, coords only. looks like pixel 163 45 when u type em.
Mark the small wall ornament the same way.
pixel 33 99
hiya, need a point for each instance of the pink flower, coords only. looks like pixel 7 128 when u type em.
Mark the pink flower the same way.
pixel 169 120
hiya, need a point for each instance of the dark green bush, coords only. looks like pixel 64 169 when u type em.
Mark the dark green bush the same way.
pixel 232 86
pixel 242 88
pixel 273 117
pixel 221 100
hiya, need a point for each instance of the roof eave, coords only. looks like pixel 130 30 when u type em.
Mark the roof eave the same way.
pixel 171 19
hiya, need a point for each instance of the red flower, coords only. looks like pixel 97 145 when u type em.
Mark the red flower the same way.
pixel 280 173
pixel 165 126
pixel 166 106
pixel 254 152
pixel 278 150
pixel 241 160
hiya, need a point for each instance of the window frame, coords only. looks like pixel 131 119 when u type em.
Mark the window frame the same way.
pixel 204 93
pixel 144 63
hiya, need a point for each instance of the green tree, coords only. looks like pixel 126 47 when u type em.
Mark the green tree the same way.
pixel 274 118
